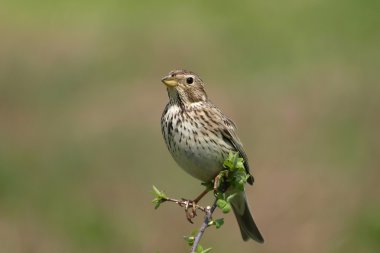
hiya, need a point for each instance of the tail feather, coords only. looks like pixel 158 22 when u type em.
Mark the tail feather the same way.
pixel 248 227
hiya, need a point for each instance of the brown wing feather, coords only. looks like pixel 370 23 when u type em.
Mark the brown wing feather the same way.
pixel 228 130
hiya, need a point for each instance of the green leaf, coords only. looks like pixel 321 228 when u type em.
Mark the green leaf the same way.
pixel 200 249
pixel 219 222
pixel 235 160
pixel 158 193
pixel 223 205
pixel 157 202
pixel 219 195
pixel 228 163
pixel 240 164
pixel 189 240
pixel 160 197
pixel 227 208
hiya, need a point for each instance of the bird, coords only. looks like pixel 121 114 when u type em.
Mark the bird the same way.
pixel 199 136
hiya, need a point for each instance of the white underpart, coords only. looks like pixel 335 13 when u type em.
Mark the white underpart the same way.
pixel 201 160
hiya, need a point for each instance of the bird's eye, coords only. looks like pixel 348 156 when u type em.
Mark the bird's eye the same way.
pixel 189 80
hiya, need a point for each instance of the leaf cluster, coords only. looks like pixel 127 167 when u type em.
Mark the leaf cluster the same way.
pixel 160 197
pixel 190 241
pixel 234 177
pixel 236 174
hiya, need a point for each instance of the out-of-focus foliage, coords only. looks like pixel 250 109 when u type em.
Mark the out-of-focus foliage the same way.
pixel 80 107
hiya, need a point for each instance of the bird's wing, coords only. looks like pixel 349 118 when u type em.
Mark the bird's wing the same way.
pixel 228 131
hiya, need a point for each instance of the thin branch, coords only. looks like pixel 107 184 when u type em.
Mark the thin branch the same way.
pixel 208 217
pixel 234 173
pixel 185 203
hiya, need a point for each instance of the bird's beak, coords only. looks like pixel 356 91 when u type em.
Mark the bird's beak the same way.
pixel 170 81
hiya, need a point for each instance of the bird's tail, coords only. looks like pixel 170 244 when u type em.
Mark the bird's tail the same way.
pixel 247 225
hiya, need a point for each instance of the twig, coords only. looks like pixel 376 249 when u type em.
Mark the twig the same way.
pixel 234 174
pixel 185 203
pixel 208 217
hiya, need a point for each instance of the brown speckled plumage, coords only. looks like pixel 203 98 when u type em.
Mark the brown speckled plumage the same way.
pixel 199 137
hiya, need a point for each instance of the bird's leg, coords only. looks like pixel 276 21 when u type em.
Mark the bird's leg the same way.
pixel 191 215
pixel 217 181
pixel 220 184
pixel 193 203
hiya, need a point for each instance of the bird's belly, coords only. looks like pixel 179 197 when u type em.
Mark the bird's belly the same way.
pixel 196 149
pixel 198 165
pixel 200 159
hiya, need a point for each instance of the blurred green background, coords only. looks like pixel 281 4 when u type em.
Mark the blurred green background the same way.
pixel 81 101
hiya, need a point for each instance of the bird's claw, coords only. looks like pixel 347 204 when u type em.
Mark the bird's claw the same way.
pixel 190 212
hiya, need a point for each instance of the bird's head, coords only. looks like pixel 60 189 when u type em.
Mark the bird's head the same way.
pixel 184 87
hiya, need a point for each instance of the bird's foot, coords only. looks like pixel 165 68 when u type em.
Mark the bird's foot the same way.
pixel 190 209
